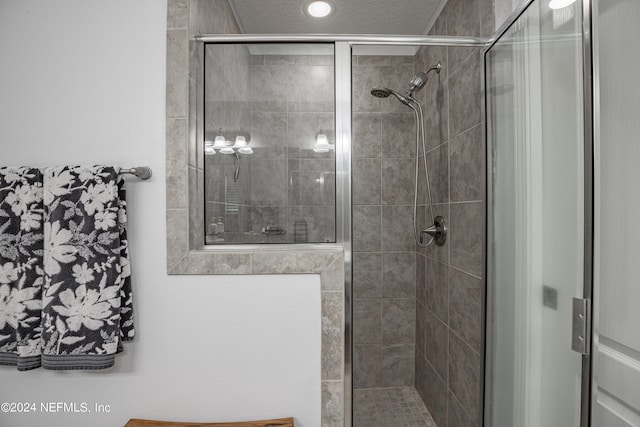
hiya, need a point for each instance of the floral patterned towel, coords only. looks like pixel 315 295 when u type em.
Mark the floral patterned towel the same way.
pixel 21 273
pixel 86 301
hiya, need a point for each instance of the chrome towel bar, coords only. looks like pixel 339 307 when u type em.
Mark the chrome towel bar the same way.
pixel 142 172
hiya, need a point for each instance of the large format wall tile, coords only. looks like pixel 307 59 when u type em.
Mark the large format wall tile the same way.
pixel 177 73
pixel 398 321
pixel 364 79
pixel 332 343
pixel 269 87
pixel 367 321
pixel 398 365
pixel 487 20
pixel 384 60
pixel 464 96
pixel 304 60
pixel 367 228
pixel 268 130
pixel 269 182
pixel 307 187
pixel 367 365
pixel 177 236
pixel 366 130
pixel 464 375
pixel 420 278
pixel 311 83
pixel 466 233
pixel 463 19
pixel 438 164
pixel 399 274
pixel 421 318
pixel 215 17
pixel 366 181
pixel 423 195
pixel 437 288
pixel 397 232
pixel 435 54
pixel 398 134
pixel 398 181
pixel 367 275
pixel 465 307
pixel 177 14
pixel 176 163
pixel 467 156
pixel 396 78
pixel 332 404
pixel 456 416
pixel 436 103
pixel 305 127
pixel 436 343
pixel 433 390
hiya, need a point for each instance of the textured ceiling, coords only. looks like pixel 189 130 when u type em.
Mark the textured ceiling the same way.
pixel 411 17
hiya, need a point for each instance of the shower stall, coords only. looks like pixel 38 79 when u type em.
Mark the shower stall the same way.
pixel 405 313
pixel 403 164
pixel 454 173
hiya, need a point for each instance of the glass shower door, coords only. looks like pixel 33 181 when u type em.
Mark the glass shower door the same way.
pixel 535 218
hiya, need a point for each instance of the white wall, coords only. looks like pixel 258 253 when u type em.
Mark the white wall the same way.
pixel 83 82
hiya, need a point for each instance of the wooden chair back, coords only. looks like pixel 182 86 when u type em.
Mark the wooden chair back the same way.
pixel 281 422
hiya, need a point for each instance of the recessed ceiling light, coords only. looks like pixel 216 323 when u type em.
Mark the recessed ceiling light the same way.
pixel 318 9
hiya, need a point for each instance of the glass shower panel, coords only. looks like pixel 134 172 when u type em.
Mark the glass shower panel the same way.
pixel 534 105
pixel 269 143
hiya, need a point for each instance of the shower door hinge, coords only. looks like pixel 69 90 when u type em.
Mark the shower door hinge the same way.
pixel 580 330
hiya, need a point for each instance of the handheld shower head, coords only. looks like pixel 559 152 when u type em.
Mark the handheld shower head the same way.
pixel 383 92
pixel 380 92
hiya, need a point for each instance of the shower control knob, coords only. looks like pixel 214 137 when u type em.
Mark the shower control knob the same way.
pixel 438 230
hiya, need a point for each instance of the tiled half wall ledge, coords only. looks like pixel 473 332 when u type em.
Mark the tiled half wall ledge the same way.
pixel 329 264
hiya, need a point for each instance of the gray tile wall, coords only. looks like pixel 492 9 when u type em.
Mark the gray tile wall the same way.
pixel 449 282
pixel 384 282
pixel 292 101
pixel 280 102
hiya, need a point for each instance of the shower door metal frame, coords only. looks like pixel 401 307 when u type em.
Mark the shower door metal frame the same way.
pixel 588 144
pixel 343 52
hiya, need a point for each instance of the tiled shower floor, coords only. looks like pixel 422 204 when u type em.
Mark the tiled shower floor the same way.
pixel 390 407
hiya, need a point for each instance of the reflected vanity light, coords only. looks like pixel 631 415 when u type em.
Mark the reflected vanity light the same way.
pixel 241 142
pixel 227 147
pixel 219 143
pixel 559 4
pixel 208 148
pixel 242 146
pixel 322 144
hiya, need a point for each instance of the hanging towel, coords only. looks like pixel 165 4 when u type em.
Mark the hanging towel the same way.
pixel 87 302
pixel 127 332
pixel 21 275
